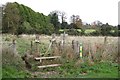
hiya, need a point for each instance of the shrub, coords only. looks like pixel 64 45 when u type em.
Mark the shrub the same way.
pixel 12 64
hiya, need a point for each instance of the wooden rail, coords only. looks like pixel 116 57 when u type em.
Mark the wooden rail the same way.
pixel 39 58
pixel 45 66
pixel 52 65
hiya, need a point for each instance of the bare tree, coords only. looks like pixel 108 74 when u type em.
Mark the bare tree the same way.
pixel 75 19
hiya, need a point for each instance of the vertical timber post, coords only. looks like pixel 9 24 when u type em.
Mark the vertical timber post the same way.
pixel 14 47
pixel 31 47
pixel 53 40
pixel 104 47
pixel 62 42
pixel 53 44
pixel 77 48
pixel 91 57
pixel 81 50
pixel 37 46
pixel 74 46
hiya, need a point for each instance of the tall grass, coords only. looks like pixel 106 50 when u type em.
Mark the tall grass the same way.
pixel 12 64
pixel 95 50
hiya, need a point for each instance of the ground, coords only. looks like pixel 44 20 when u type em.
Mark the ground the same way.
pixel 69 69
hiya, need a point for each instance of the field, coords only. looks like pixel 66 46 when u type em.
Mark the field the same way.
pixel 102 67
pixel 86 30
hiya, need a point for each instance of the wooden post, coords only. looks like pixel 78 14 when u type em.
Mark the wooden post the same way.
pixel 53 40
pixel 75 46
pixel 60 47
pixel 63 41
pixel 104 48
pixel 37 46
pixel 14 46
pixel 53 43
pixel 53 36
pixel 31 47
pixel 105 40
pixel 37 37
pixel 78 48
pixel 81 50
pixel 91 57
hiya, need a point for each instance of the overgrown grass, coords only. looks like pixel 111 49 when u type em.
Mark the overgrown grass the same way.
pixel 98 70
pixel 12 64
pixel 0 71
pixel 12 72
pixel 22 45
pixel 68 68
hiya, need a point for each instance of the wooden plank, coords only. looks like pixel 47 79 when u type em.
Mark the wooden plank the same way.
pixel 52 65
pixel 38 58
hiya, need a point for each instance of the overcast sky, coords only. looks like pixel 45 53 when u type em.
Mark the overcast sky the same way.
pixel 105 11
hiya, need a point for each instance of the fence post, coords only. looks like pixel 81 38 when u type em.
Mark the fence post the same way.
pixel 73 45
pixel 81 50
pixel 62 42
pixel 90 55
pixel 60 47
pixel 14 46
pixel 53 41
pixel 76 47
pixel 31 47
pixel 37 45
pixel 104 48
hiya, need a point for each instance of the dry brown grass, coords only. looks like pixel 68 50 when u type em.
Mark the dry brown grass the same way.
pixel 93 47
pixel 9 58
pixel 70 53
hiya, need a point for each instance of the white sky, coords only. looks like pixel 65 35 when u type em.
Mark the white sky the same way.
pixel 105 11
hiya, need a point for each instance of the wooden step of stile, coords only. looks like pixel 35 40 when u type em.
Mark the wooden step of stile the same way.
pixel 52 57
pixel 52 65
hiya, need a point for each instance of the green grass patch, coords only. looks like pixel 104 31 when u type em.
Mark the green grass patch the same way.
pixel 61 30
pixel 0 72
pixel 89 30
pixel 98 70
pixel 12 72
pixel 112 31
pixel 79 30
pixel 22 45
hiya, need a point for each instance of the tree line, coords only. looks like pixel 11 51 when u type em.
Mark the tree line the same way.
pixel 20 19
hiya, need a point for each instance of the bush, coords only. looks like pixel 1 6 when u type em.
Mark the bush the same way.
pixel 96 33
pixel 12 65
